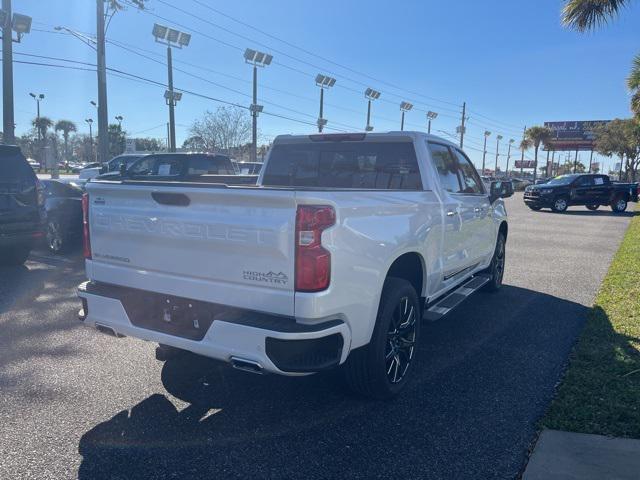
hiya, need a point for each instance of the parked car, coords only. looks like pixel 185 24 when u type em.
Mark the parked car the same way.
pixel 203 167
pixel 63 214
pixel 113 165
pixel 590 190
pixel 331 260
pixel 33 164
pixel 21 206
pixel 519 184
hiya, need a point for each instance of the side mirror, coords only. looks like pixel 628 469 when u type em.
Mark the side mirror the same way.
pixel 500 189
pixel 123 169
pixel 104 169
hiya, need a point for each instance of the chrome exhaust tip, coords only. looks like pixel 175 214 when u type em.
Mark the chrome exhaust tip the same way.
pixel 246 365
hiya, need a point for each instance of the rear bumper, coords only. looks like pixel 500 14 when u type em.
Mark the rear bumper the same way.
pixel 277 344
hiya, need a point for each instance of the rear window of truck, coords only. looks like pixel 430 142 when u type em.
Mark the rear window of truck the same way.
pixel 360 165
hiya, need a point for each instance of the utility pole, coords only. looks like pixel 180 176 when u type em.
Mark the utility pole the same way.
pixel 8 122
pixel 547 169
pixel 323 82
pixel 464 112
pixel 320 125
pixel 553 161
pixel 575 162
pixel 506 171
pixel 590 161
pixel 404 107
pixel 103 117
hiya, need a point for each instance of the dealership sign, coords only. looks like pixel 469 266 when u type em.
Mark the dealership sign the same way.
pixel 525 164
pixel 577 135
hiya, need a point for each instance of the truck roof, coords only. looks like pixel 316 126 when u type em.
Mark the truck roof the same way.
pixel 359 136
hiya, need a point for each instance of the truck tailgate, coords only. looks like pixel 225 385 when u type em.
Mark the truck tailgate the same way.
pixel 233 246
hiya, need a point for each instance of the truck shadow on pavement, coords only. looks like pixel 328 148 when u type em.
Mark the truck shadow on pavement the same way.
pixel 483 377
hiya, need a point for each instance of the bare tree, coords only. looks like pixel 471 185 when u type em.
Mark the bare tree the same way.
pixel 226 129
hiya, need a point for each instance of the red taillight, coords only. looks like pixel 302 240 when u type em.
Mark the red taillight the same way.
pixel 313 262
pixel 86 241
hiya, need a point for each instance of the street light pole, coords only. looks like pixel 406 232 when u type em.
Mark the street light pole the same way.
pixel 103 116
pixel 484 150
pixel 257 59
pixel 430 116
pixel 495 170
pixel 404 107
pixel 370 94
pixel 506 171
pixel 323 82
pixel 172 114
pixel 90 122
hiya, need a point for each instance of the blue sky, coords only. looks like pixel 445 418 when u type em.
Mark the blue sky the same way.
pixel 511 61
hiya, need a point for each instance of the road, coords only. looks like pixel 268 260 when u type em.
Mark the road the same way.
pixel 76 403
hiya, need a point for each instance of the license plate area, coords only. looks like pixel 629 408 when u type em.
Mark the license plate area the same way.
pixel 169 314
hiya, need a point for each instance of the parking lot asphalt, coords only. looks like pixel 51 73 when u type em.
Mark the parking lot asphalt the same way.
pixel 76 403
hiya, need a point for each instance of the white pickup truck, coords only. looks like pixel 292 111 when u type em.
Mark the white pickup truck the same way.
pixel 346 242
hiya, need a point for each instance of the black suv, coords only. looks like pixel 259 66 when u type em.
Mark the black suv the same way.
pixel 21 207
pixel 590 190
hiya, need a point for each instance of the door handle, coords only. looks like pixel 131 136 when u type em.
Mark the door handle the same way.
pixel 477 209
pixel 451 213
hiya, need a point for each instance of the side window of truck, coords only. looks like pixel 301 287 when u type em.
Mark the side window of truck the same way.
pixel 470 180
pixel 446 165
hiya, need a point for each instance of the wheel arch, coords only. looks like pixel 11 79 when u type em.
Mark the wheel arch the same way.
pixel 410 266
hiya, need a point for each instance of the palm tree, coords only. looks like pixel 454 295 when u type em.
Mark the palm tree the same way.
pixel 42 124
pixel 584 15
pixel 536 136
pixel 66 127
pixel 633 83
pixel 525 145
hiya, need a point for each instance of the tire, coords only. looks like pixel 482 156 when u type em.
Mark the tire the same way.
pixel 592 207
pixel 496 267
pixel 56 240
pixel 16 255
pixel 535 209
pixel 382 368
pixel 560 205
pixel 619 205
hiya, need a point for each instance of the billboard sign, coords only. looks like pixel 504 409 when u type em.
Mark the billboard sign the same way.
pixel 525 164
pixel 575 135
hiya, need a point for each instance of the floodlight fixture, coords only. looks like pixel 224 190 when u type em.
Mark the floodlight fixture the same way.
pixel 432 115
pixel 371 94
pixel 173 35
pixel 511 140
pixel 255 109
pixel 487 133
pixel 322 122
pixel 256 58
pixel 21 24
pixel 499 137
pixel 324 81
pixel 184 39
pixel 368 128
pixel 93 103
pixel 406 106
pixel 159 31
pixel 89 120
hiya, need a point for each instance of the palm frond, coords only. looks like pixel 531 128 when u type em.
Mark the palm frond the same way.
pixel 584 15
pixel 633 80
pixel 635 103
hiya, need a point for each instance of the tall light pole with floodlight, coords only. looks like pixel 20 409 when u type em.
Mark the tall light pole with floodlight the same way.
pixel 431 116
pixel 21 24
pixel 119 119
pixel 257 59
pixel 484 150
pixel 404 107
pixel 90 122
pixel 323 82
pixel 370 94
pixel 506 171
pixel 171 38
pixel 38 98
pixel 498 138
